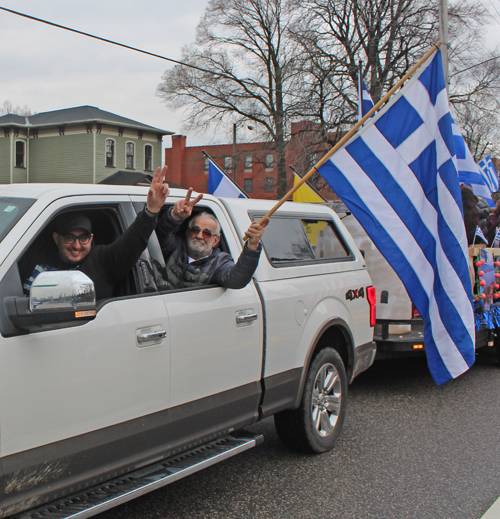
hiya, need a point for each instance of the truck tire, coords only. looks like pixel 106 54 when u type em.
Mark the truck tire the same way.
pixel 315 425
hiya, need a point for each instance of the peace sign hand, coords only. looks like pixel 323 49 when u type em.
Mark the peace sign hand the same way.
pixel 183 208
pixel 158 191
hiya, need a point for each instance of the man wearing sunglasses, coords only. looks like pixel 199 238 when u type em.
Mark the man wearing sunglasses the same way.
pixel 105 265
pixel 195 259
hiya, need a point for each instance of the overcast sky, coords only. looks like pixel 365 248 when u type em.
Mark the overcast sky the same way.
pixel 47 68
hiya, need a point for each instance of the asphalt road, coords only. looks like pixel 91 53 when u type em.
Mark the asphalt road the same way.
pixel 409 449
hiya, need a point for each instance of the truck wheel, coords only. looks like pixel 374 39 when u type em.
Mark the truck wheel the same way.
pixel 317 422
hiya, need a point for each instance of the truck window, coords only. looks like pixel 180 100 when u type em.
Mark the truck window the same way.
pixel 292 239
pixel 324 240
pixel 11 210
pixel 106 229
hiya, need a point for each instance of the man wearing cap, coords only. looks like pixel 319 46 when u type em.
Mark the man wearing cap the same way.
pixel 105 265
pixel 195 259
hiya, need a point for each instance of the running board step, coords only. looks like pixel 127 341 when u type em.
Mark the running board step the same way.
pixel 107 495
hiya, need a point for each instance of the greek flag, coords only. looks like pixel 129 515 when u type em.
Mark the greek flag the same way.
pixel 365 101
pixel 468 170
pixel 219 184
pixel 398 176
pixel 479 234
pixel 496 239
pixel 489 173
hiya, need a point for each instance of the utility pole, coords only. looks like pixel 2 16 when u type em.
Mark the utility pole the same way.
pixel 443 36
pixel 234 152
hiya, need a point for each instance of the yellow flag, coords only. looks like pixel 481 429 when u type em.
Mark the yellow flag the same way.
pixel 305 193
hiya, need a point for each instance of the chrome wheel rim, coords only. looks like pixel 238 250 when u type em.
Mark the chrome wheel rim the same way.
pixel 326 398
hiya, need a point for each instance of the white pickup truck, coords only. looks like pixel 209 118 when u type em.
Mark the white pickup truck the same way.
pixel 102 402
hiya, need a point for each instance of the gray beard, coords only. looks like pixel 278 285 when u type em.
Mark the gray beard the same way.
pixel 197 252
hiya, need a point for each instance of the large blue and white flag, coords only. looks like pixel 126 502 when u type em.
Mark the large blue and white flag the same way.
pixel 489 173
pixel 365 101
pixel 219 184
pixel 398 176
pixel 468 170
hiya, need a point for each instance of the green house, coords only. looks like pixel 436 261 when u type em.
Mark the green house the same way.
pixel 82 144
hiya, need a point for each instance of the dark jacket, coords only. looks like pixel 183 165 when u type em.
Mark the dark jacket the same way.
pixel 106 265
pixel 492 223
pixel 216 268
pixel 483 211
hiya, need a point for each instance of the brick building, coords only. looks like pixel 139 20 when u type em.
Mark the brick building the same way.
pixel 254 163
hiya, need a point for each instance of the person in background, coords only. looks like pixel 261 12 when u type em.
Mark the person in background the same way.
pixel 471 216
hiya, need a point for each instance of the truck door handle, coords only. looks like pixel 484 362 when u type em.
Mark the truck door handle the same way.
pixel 241 319
pixel 151 336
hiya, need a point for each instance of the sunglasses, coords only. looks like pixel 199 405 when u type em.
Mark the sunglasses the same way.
pixel 207 233
pixel 71 238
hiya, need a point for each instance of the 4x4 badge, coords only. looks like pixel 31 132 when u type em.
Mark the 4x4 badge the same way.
pixel 354 294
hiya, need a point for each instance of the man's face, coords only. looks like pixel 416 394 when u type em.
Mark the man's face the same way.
pixel 199 244
pixel 70 248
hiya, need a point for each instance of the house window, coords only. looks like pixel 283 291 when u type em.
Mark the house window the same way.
pixel 248 162
pixel 20 151
pixel 248 185
pixel 148 157
pixel 110 153
pixel 269 185
pixel 228 163
pixel 269 160
pixel 206 165
pixel 129 158
pixel 313 159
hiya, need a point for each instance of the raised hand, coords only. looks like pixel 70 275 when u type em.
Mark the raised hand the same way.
pixel 255 232
pixel 183 208
pixel 158 191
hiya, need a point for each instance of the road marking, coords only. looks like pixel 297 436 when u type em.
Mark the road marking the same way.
pixel 494 511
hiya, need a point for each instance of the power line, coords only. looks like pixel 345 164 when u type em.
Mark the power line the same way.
pixel 476 65
pixel 221 74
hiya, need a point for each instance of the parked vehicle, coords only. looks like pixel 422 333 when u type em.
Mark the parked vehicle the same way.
pixel 102 402
pixel 399 330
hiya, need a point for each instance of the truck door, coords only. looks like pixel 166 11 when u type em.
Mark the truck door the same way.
pixel 216 346
pixel 77 401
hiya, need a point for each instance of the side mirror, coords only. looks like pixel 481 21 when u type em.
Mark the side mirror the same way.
pixel 56 298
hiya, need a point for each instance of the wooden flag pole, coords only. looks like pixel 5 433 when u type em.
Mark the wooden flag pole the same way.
pixel 351 132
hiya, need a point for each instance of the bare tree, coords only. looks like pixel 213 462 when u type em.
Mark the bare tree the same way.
pixel 474 79
pixel 244 72
pixel 271 62
pixel 9 108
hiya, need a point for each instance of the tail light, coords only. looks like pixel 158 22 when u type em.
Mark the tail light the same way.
pixel 371 296
pixel 414 312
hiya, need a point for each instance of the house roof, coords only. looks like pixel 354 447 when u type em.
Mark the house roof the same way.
pixel 78 114
pixel 127 178
pixel 132 178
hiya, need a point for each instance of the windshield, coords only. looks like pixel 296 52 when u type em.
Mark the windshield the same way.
pixel 11 210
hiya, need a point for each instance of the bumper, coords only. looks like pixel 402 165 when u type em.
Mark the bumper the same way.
pixel 395 345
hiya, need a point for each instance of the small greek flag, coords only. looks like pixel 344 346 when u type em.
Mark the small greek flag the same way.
pixel 468 171
pixel 479 233
pixel 489 173
pixel 365 101
pixel 219 184
pixel 496 239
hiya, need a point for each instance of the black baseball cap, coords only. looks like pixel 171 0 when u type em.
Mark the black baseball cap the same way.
pixel 67 223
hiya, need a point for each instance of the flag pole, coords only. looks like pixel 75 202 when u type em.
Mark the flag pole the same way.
pixel 351 132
